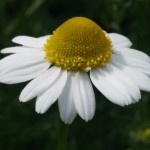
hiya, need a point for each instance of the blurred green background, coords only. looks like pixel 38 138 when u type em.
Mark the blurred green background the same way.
pixel 113 127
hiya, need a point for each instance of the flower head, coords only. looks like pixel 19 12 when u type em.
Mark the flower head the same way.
pixel 78 44
pixel 58 66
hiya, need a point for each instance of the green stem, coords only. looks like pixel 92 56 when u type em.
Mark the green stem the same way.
pixel 63 137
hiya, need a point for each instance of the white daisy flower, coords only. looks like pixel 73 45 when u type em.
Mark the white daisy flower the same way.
pixel 64 65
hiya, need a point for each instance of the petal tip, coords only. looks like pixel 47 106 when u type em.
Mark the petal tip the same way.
pixel 15 39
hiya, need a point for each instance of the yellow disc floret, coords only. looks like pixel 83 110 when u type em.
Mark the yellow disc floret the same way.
pixel 78 44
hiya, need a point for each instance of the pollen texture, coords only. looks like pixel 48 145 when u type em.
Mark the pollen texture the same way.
pixel 78 44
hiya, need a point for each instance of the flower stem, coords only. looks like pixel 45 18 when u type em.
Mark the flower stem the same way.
pixel 63 137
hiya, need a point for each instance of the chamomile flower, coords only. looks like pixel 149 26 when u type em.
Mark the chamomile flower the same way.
pixel 63 66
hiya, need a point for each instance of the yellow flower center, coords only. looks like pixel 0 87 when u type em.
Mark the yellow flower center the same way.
pixel 79 44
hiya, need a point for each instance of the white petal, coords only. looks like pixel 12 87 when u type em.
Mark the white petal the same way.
pixel 45 100
pixel 30 41
pixel 145 71
pixel 119 40
pixel 40 84
pixel 133 58
pixel 84 98
pixel 132 88
pixel 17 61
pixel 19 56
pixel 110 87
pixel 134 54
pixel 139 78
pixel 43 39
pixel 23 74
pixel 20 49
pixel 135 63
pixel 65 102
